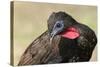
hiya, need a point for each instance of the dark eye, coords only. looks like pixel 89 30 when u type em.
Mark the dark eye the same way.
pixel 58 25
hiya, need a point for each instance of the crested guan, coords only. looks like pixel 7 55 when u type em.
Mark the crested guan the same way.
pixel 65 41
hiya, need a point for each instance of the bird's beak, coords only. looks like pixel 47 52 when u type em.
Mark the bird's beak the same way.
pixel 52 35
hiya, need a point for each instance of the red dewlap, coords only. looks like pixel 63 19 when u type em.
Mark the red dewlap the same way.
pixel 70 33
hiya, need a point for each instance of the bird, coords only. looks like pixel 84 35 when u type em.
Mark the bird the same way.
pixel 66 40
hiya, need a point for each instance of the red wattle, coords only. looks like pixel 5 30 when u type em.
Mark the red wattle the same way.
pixel 70 33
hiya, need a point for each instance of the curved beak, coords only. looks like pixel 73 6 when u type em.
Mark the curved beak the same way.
pixel 52 35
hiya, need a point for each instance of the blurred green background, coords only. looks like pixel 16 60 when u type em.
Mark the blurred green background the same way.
pixel 30 21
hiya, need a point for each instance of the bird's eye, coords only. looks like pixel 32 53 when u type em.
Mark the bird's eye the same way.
pixel 58 25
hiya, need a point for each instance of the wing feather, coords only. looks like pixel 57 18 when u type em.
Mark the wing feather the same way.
pixel 40 50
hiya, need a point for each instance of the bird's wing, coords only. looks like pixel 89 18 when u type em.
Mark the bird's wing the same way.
pixel 87 37
pixel 87 41
pixel 39 51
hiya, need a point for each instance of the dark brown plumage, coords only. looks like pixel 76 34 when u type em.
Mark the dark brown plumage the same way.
pixel 40 50
pixel 66 40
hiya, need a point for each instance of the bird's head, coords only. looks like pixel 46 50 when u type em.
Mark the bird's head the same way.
pixel 60 24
